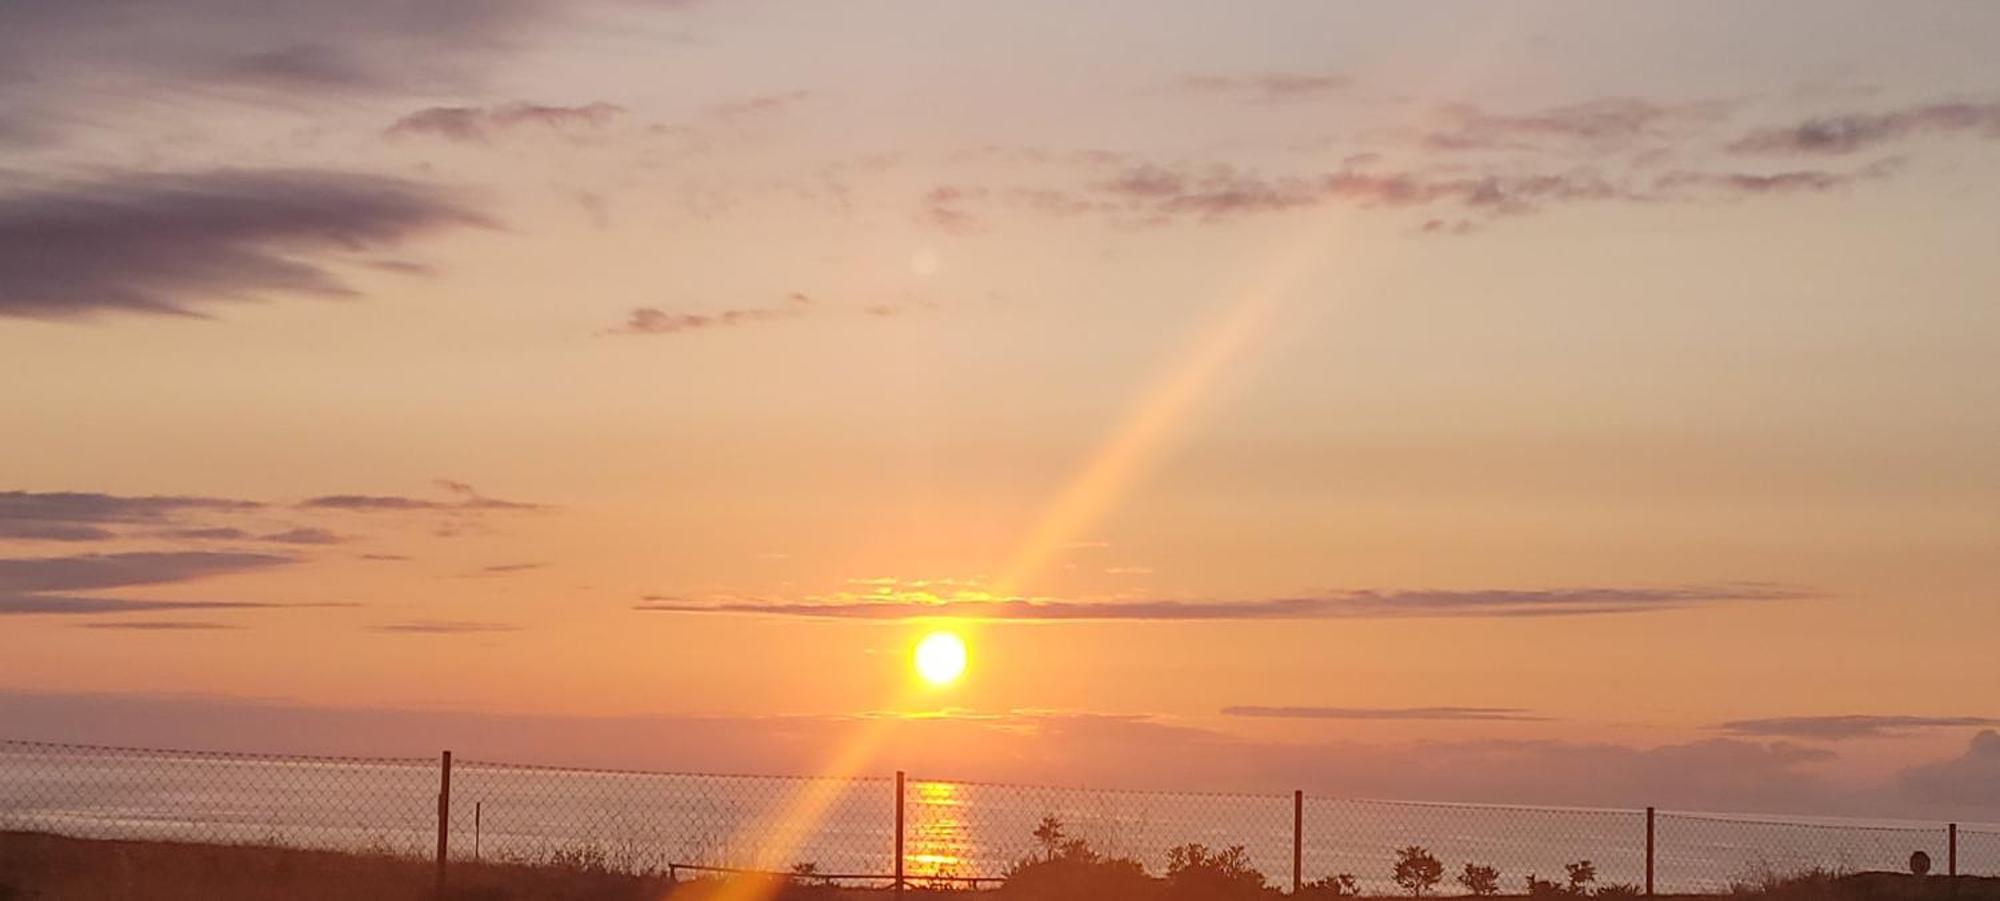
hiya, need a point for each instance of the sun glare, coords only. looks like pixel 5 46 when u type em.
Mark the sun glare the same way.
pixel 940 658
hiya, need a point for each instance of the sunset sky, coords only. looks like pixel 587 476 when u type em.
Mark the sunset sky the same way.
pixel 1571 402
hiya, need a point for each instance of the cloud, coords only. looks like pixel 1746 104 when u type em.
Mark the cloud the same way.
pixel 1508 714
pixel 468 499
pixel 170 243
pixel 302 535
pixel 41 584
pixel 31 603
pixel 157 625
pixel 1855 132
pixel 655 321
pixel 1602 123
pixel 499 568
pixel 1267 87
pixel 89 572
pixel 478 124
pixel 81 516
pixel 1341 605
pixel 1850 725
pixel 1969 782
pixel 445 627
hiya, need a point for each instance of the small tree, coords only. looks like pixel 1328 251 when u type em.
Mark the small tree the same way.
pixel 1049 834
pixel 1417 871
pixel 1581 875
pixel 1480 879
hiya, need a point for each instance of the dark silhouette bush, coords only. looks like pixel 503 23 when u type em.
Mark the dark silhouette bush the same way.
pixel 1195 873
pixel 1480 879
pixel 1069 870
pixel 1417 870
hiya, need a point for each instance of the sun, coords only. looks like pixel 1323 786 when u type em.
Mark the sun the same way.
pixel 940 658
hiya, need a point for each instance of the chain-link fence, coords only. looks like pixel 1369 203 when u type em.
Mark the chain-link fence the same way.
pixel 930 832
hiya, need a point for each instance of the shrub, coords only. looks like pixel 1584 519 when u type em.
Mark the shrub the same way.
pixel 1070 870
pixel 1581 875
pixel 1195 872
pixel 1417 871
pixel 1480 879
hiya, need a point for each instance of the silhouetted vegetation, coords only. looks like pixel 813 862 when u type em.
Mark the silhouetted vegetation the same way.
pixel 1417 871
pixel 1479 879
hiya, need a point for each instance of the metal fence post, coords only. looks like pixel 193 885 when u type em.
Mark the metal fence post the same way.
pixel 899 833
pixel 1951 851
pixel 1298 834
pixel 1649 850
pixel 444 818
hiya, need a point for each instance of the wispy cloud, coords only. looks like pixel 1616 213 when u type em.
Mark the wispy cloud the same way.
pixel 86 572
pixel 445 627
pixel 44 584
pixel 157 625
pixel 478 124
pixel 1856 132
pixel 82 516
pixel 1339 605
pixel 1844 726
pixel 1266 87
pixel 174 243
pixel 656 321
pixel 465 498
pixel 1613 122
pixel 1505 714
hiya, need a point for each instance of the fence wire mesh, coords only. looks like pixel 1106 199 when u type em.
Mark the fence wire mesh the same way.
pixel 384 805
pixel 644 822
pixel 953 833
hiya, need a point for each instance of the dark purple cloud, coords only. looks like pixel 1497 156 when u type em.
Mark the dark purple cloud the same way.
pixel 1850 725
pixel 89 572
pixel 484 123
pixel 22 511
pixel 1856 132
pixel 1505 714
pixel 1341 605
pixel 174 243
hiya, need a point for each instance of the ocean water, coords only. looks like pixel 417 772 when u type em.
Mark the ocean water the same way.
pixel 647 821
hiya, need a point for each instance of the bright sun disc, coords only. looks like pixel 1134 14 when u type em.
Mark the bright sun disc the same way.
pixel 940 658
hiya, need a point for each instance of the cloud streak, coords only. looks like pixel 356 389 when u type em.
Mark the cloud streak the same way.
pixel 481 124
pixel 1856 132
pixel 1341 605
pixel 1480 714
pixel 174 243
pixel 1847 726
pixel 656 321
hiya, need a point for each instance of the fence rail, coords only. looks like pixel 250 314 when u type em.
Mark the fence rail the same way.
pixel 906 831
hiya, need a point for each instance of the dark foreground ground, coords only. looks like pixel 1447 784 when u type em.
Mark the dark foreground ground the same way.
pixel 38 867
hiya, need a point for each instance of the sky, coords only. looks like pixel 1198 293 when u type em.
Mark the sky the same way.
pixel 1556 402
